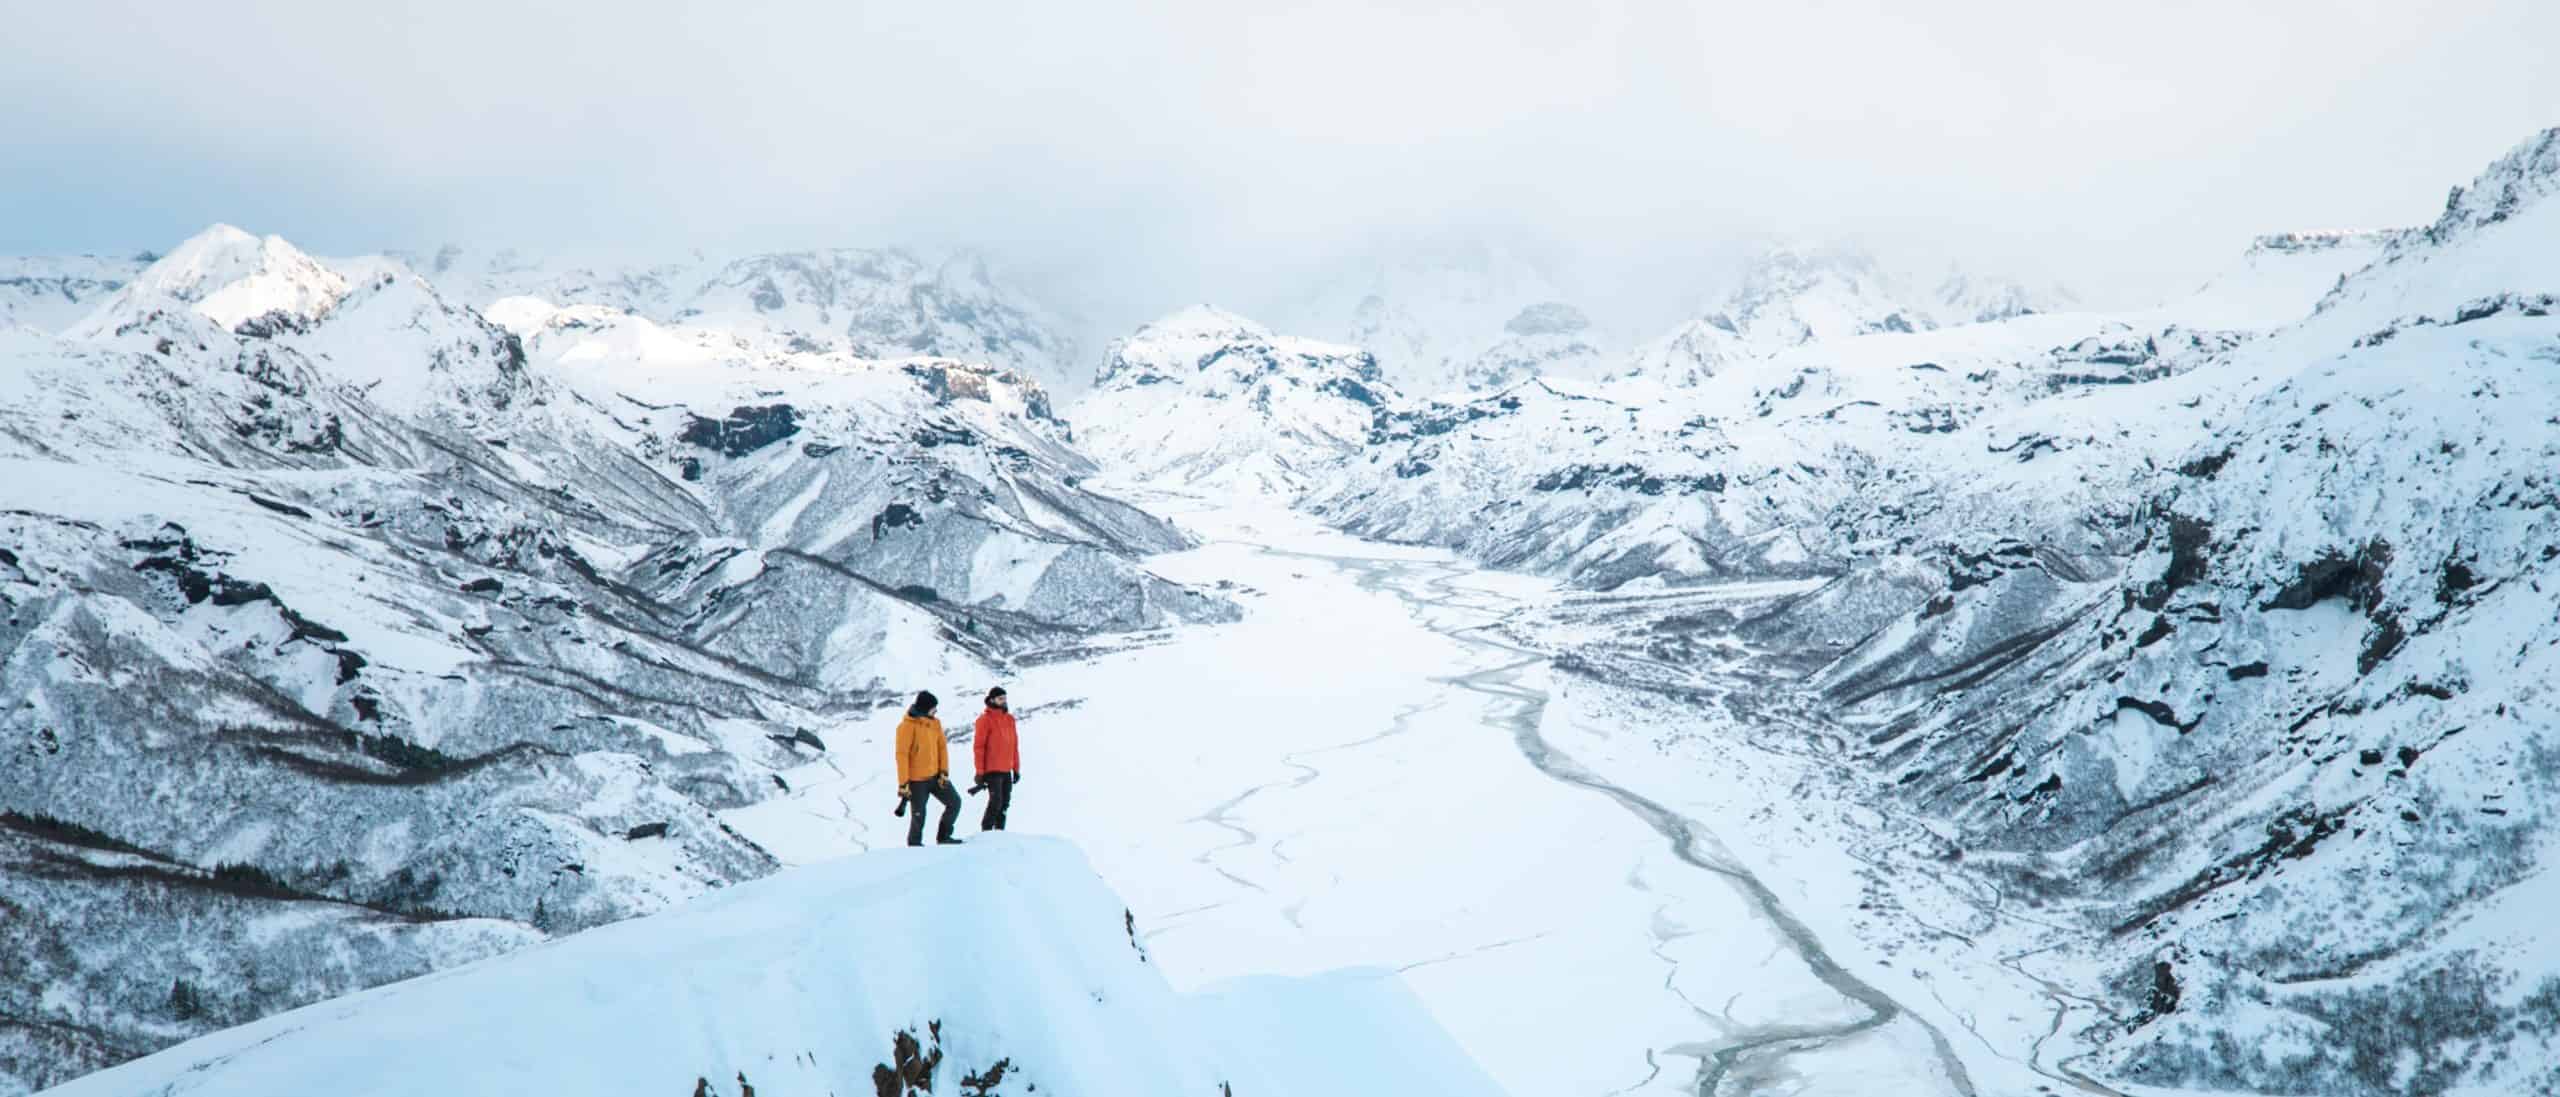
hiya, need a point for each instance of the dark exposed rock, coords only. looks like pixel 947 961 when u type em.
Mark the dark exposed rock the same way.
pixel 2164 988
pixel 2203 468
pixel 2456 578
pixel 943 434
pixel 895 516
pixel 2382 641
pixel 746 430
pixel 2159 712
pixel 2356 578
pixel 2189 538
pixel 646 830
pixel 2247 670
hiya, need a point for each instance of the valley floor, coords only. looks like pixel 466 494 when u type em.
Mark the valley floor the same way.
pixel 1594 897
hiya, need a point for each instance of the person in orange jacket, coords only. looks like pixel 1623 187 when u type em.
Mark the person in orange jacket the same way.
pixel 924 770
pixel 998 752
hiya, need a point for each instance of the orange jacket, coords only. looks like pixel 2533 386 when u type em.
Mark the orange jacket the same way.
pixel 922 752
pixel 998 749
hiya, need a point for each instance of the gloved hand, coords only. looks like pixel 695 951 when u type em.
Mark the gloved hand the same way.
pixel 978 787
pixel 902 806
pixel 1017 777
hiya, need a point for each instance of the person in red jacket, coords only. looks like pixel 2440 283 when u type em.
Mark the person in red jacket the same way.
pixel 999 756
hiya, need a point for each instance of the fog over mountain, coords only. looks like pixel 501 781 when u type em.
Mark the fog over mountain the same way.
pixel 1145 157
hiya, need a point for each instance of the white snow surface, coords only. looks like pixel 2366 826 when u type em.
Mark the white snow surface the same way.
pixel 1009 950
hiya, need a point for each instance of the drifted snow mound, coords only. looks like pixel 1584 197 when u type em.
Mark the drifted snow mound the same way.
pixel 990 970
pixel 1206 398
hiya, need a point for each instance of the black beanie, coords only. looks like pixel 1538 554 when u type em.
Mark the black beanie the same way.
pixel 925 702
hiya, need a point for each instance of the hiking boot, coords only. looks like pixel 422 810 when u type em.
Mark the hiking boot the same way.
pixel 947 840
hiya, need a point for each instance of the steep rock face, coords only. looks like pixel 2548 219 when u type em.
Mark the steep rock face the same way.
pixel 352 635
pixel 1208 399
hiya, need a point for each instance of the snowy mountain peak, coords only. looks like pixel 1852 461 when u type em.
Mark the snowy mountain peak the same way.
pixel 232 278
pixel 1204 344
pixel 1206 398
pixel 1202 321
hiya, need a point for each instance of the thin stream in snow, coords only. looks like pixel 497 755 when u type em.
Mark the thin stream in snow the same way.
pixel 1720 1058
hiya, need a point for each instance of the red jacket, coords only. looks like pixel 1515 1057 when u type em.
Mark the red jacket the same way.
pixel 998 749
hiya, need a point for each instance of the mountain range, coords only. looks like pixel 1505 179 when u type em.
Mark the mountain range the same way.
pixel 2170 681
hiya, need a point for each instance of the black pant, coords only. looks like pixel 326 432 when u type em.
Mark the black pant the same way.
pixel 938 788
pixel 999 797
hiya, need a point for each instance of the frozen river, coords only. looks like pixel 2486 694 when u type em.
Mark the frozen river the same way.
pixel 1364 773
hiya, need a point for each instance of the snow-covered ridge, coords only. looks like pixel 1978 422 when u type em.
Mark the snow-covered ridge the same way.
pixel 999 970
pixel 868 302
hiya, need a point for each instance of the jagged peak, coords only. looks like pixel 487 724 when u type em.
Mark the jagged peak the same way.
pixel 2527 173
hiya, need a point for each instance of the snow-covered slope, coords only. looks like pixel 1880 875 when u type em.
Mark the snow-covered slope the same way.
pixel 2295 757
pixel 1004 968
pixel 350 635
pixel 1211 400
pixel 2195 676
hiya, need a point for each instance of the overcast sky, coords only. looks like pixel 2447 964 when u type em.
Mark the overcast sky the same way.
pixel 1199 150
